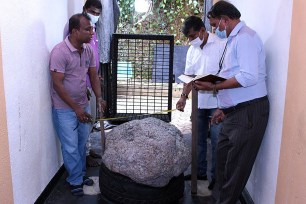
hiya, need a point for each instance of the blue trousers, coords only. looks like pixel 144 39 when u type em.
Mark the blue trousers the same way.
pixel 73 136
pixel 204 116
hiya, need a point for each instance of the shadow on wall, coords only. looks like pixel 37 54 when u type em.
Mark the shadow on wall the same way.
pixel 70 12
pixel 40 103
pixel 266 164
pixel 71 8
pixel 37 145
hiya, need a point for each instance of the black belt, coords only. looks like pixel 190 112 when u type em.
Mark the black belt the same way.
pixel 243 104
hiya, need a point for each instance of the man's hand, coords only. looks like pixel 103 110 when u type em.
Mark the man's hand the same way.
pixel 217 117
pixel 201 85
pixel 101 79
pixel 101 105
pixel 82 116
pixel 180 105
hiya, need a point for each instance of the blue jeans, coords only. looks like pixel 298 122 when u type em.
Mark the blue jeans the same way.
pixel 204 116
pixel 73 136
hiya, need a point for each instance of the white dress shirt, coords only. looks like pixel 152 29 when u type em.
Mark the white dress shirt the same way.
pixel 203 62
pixel 245 60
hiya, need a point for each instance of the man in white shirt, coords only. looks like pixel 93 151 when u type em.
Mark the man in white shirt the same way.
pixel 242 99
pixel 202 59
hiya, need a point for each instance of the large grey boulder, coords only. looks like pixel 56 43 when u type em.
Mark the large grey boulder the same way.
pixel 149 151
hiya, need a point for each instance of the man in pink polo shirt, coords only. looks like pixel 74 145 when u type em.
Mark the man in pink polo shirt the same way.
pixel 70 62
pixel 93 9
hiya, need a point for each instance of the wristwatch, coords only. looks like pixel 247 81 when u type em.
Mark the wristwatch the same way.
pixel 185 95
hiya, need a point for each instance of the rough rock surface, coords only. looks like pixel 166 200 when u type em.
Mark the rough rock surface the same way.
pixel 149 151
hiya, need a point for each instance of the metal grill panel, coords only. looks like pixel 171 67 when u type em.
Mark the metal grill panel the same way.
pixel 142 76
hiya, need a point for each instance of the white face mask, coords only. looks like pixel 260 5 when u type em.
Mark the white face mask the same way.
pixel 196 42
pixel 93 19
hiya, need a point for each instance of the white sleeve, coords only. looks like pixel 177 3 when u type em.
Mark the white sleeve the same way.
pixel 189 63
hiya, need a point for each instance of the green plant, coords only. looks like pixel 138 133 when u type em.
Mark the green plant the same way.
pixel 164 17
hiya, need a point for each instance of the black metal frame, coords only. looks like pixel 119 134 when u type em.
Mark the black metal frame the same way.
pixel 141 73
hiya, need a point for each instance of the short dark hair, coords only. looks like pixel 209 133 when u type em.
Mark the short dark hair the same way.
pixel 94 3
pixel 74 21
pixel 192 22
pixel 223 8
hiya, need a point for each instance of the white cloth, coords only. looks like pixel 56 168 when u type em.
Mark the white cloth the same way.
pixel 244 60
pixel 205 61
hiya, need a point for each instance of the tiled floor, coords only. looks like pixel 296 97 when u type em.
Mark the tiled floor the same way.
pixel 61 193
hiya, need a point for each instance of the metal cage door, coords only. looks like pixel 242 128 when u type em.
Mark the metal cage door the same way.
pixel 141 77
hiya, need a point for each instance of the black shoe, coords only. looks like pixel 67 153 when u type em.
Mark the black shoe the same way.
pixel 212 184
pixel 188 177
pixel 87 181
pixel 202 177
pixel 77 190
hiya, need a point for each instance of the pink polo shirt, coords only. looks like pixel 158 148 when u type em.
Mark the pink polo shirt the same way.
pixel 95 46
pixel 66 59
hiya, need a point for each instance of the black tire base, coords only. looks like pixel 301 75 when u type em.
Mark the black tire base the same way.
pixel 120 189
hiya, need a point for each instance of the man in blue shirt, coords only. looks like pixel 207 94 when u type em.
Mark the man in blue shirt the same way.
pixel 242 101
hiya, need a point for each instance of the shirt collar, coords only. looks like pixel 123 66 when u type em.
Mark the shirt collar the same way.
pixel 237 28
pixel 70 46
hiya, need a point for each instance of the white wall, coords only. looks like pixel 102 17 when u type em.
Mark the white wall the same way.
pixel 272 20
pixel 29 31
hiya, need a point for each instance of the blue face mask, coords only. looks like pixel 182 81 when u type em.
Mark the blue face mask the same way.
pixel 221 34
pixel 93 19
